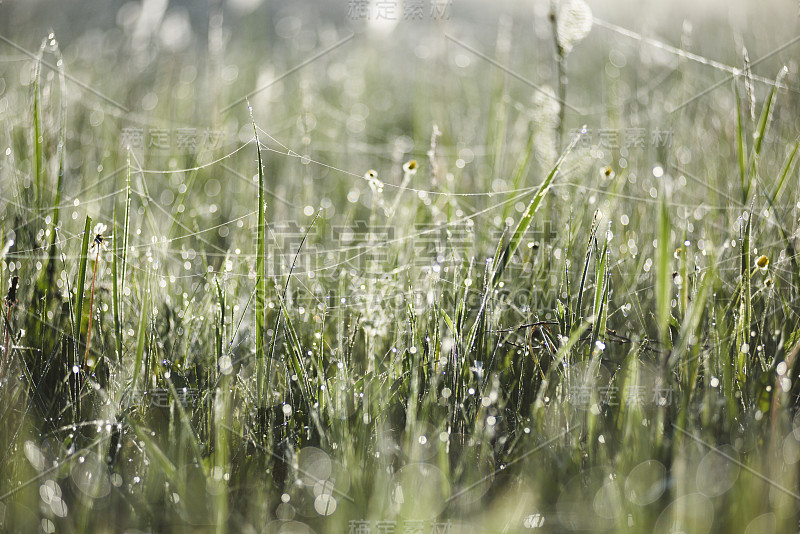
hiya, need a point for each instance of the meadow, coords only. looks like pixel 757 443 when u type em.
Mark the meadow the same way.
pixel 384 267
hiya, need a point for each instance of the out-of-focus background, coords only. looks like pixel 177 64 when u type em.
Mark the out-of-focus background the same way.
pixel 418 265
pixel 145 54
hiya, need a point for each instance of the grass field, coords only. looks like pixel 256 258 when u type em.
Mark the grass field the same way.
pixel 374 267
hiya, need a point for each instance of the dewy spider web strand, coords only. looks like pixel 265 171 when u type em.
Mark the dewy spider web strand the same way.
pixel 362 250
pixel 222 252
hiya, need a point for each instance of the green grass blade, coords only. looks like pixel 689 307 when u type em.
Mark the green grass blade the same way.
pixel 663 273
pixel 787 167
pixel 765 119
pixel 46 281
pixel 261 282
pixel 38 137
pixel 219 324
pixel 449 322
pixel 740 144
pixel 126 225
pixel 690 330
pixel 87 234
pixel 141 336
pixel 527 216
pixel 600 294
pixel 115 296
pixel 522 165
pixel 582 287
pixel 297 359
pixel 498 110
pixel 155 453
pixel 761 131
pixel 297 356
pixel 745 299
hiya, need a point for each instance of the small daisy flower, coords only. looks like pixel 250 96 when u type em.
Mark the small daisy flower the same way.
pixel 607 172
pixel 410 167
pixel 99 230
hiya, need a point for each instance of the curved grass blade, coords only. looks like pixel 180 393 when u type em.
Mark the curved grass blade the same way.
pixel 297 350
pixel 740 144
pixel 261 282
pixel 589 248
pixel 87 230
pixel 530 211
pixel 140 341
pixel 663 273
pixel 115 295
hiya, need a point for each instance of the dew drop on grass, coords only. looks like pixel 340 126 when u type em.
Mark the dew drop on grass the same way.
pixel 646 483
pixel 34 455
pixel 718 471
pixel 225 365
pixel 325 504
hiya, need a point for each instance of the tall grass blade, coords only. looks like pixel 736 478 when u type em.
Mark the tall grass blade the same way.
pixel 740 145
pixel 38 136
pixel 115 295
pixel 261 282
pixel 527 216
pixel 761 131
pixel 78 317
pixel 600 294
pixel 663 273
pixel 745 300
pixel 765 119
pixel 294 340
pixel 126 225
pixel 589 248
pixel 787 167
pixel 141 337
pixel 61 154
